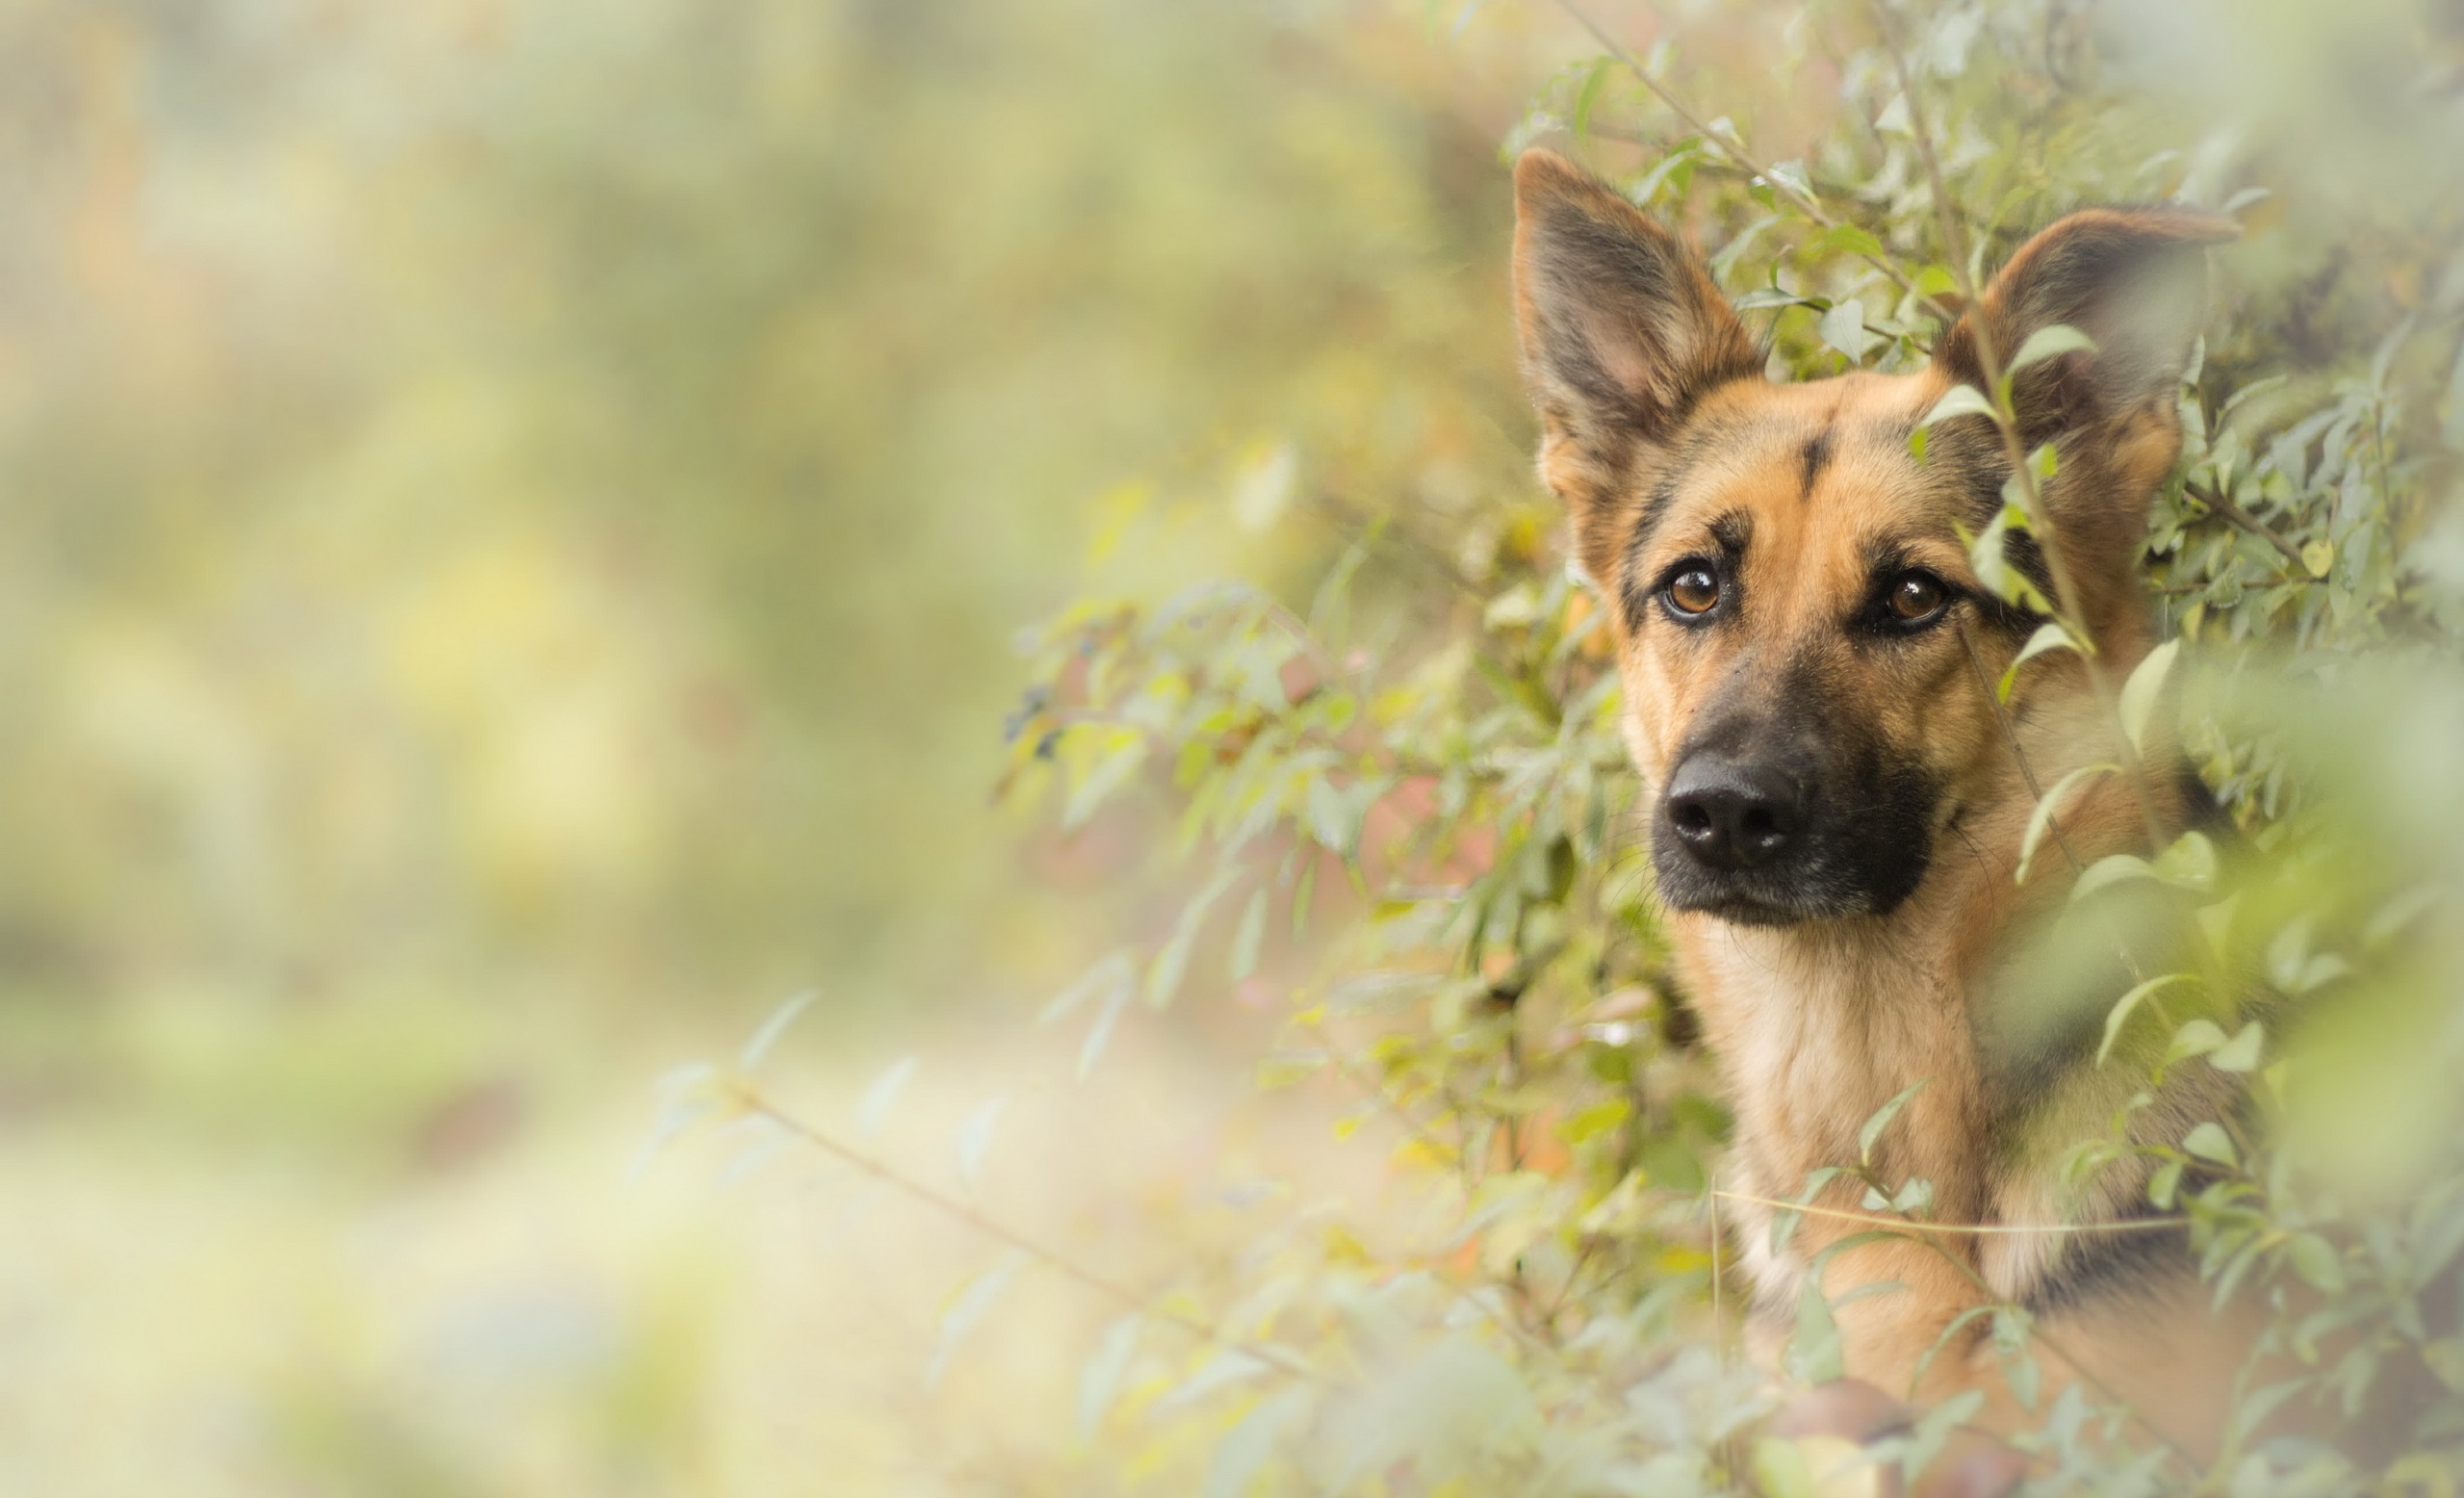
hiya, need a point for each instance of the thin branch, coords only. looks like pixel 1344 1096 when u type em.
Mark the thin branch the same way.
pixel 2226 509
pixel 1734 152
pixel 1375 1091
pixel 754 1104
pixel 1971 1229
pixel 2005 421
pixel 1926 1235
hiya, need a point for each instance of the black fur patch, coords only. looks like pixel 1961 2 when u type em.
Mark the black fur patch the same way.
pixel 2109 1266
pixel 1811 461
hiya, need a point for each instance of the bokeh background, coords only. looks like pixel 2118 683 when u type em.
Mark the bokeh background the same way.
pixel 517 519
pixel 513 520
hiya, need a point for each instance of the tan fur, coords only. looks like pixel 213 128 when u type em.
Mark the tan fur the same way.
pixel 1816 1024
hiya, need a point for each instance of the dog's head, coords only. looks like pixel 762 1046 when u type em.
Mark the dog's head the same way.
pixel 1793 604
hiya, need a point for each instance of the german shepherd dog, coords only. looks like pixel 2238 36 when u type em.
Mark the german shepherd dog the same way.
pixel 1836 808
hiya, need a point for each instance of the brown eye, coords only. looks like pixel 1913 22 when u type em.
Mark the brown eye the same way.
pixel 1693 591
pixel 1917 596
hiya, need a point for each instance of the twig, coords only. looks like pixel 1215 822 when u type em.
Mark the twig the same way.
pixel 2005 421
pixel 1727 146
pixel 2227 509
pixel 1970 1230
pixel 1924 1234
pixel 754 1104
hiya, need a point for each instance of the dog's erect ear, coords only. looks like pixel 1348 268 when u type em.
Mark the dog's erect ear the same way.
pixel 2133 280
pixel 1622 332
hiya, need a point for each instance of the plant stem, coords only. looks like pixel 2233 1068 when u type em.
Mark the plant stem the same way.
pixel 2006 421
pixel 1727 146
pixel 754 1103
pixel 2227 509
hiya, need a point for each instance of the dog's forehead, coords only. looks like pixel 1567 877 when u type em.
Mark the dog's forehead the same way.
pixel 1805 465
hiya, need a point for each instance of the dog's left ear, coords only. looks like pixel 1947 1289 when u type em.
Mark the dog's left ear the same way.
pixel 2135 282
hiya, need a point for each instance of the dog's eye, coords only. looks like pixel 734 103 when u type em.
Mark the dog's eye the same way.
pixel 1917 596
pixel 1693 591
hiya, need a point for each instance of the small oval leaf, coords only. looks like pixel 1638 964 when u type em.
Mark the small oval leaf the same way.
pixel 2138 694
pixel 2051 343
pixel 2210 1142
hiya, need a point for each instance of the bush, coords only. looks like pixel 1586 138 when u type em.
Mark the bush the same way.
pixel 1403 795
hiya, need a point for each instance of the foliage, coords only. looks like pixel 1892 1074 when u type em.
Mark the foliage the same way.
pixel 1402 800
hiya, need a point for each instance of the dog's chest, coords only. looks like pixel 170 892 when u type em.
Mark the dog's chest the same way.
pixel 1815 1036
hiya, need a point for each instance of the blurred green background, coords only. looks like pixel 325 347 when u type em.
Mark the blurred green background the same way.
pixel 516 514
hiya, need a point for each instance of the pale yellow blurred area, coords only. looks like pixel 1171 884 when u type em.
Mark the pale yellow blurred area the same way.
pixel 513 515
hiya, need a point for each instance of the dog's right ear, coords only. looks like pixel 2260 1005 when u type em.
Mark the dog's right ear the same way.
pixel 1623 331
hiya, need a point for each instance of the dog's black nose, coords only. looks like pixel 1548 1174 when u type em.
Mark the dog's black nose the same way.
pixel 1733 815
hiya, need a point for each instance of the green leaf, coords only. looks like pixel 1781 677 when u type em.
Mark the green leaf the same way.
pixel 2195 1037
pixel 775 1026
pixel 2163 1186
pixel 873 1110
pixel 2040 820
pixel 1171 961
pixel 1594 1120
pixel 1852 240
pixel 1957 402
pixel 2241 1054
pixel 1442 1410
pixel 2050 342
pixel 2288 954
pixel 2011 1329
pixel 1874 1125
pixel 1100 1033
pixel 2316 1260
pixel 1102 779
pixel 1782 1469
pixel 2210 1142
pixel 2138 694
pixel 2049 636
pixel 1099 1379
pixel 1248 937
pixel 1588 96
pixel 1937 280
pixel 2123 1007
pixel 1943 1339
pixel 1775 296
pixel 1287 1068
pixel 2189 863
pixel 967 1307
pixel 1247 1448
pixel 1935 1426
pixel 1112 970
pixel 2318 557
pixel 2112 869
pixel 1228 1367
pixel 1784 1219
pixel 1989 555
pixel 1844 327
pixel 1813 1352
pixel 1163 975
pixel 975 1136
